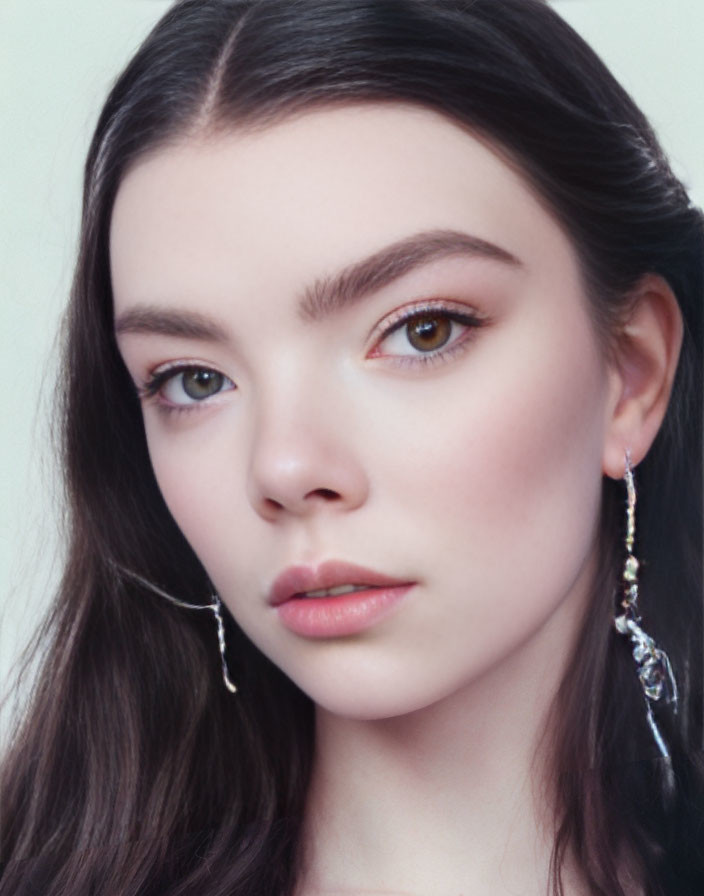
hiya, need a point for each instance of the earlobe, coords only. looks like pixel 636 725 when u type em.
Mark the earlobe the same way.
pixel 642 371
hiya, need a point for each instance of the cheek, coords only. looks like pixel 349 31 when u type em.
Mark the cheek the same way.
pixel 505 472
pixel 197 469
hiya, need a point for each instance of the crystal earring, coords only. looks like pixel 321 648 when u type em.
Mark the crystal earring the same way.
pixel 653 665
pixel 215 606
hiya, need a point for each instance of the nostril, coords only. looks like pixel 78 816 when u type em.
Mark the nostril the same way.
pixel 271 504
pixel 327 494
pixel 324 495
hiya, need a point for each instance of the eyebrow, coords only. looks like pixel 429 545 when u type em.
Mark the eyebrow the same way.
pixel 328 295
pixel 165 322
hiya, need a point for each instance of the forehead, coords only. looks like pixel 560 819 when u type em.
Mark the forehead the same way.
pixel 291 202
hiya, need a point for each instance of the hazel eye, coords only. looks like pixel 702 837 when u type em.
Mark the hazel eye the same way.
pixel 428 332
pixel 184 386
pixel 425 333
pixel 196 384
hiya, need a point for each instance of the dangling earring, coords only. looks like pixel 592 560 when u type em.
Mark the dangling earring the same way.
pixel 654 668
pixel 215 606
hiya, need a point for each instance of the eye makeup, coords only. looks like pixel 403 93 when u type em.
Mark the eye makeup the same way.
pixel 413 336
pixel 425 332
pixel 183 386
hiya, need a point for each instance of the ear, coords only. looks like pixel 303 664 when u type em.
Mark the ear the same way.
pixel 641 370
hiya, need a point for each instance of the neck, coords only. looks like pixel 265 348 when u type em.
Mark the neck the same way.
pixel 449 799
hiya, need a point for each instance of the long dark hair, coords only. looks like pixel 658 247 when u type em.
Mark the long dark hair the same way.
pixel 134 771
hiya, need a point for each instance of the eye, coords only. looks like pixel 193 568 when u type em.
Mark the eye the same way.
pixel 428 332
pixel 423 333
pixel 181 386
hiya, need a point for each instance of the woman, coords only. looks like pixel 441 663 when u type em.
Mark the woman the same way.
pixel 378 306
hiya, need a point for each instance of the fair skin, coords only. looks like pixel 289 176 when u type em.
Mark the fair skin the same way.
pixel 475 477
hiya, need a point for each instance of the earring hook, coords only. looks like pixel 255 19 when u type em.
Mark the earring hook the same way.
pixel 215 606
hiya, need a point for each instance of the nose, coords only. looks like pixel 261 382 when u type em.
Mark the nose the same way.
pixel 304 461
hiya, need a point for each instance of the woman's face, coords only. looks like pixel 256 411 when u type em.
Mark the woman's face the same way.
pixel 362 341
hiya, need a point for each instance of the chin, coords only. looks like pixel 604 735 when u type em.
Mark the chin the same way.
pixel 361 700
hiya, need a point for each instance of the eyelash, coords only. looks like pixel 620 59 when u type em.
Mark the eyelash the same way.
pixel 151 388
pixel 400 318
pixel 468 318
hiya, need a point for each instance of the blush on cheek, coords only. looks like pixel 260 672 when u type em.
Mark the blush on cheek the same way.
pixel 521 467
pixel 547 462
pixel 197 468
pixel 190 491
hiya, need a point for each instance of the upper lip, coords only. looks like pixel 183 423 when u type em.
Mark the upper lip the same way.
pixel 330 574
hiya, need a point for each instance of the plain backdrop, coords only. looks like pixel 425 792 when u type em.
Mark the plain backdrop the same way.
pixel 59 58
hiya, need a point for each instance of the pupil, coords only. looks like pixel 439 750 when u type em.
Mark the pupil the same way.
pixel 201 383
pixel 428 333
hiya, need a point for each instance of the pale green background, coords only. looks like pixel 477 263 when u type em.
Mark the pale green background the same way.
pixel 58 59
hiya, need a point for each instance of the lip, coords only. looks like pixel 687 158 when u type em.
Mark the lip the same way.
pixel 334 616
pixel 297 579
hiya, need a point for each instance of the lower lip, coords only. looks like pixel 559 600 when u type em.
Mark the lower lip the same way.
pixel 346 614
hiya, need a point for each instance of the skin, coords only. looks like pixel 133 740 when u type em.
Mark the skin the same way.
pixel 476 475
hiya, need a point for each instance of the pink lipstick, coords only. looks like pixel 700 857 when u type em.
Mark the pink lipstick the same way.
pixel 334 599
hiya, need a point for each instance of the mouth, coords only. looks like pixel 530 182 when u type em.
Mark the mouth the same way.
pixel 331 579
pixel 335 599
pixel 335 592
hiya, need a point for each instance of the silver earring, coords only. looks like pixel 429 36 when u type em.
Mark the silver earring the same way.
pixel 653 665
pixel 215 606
